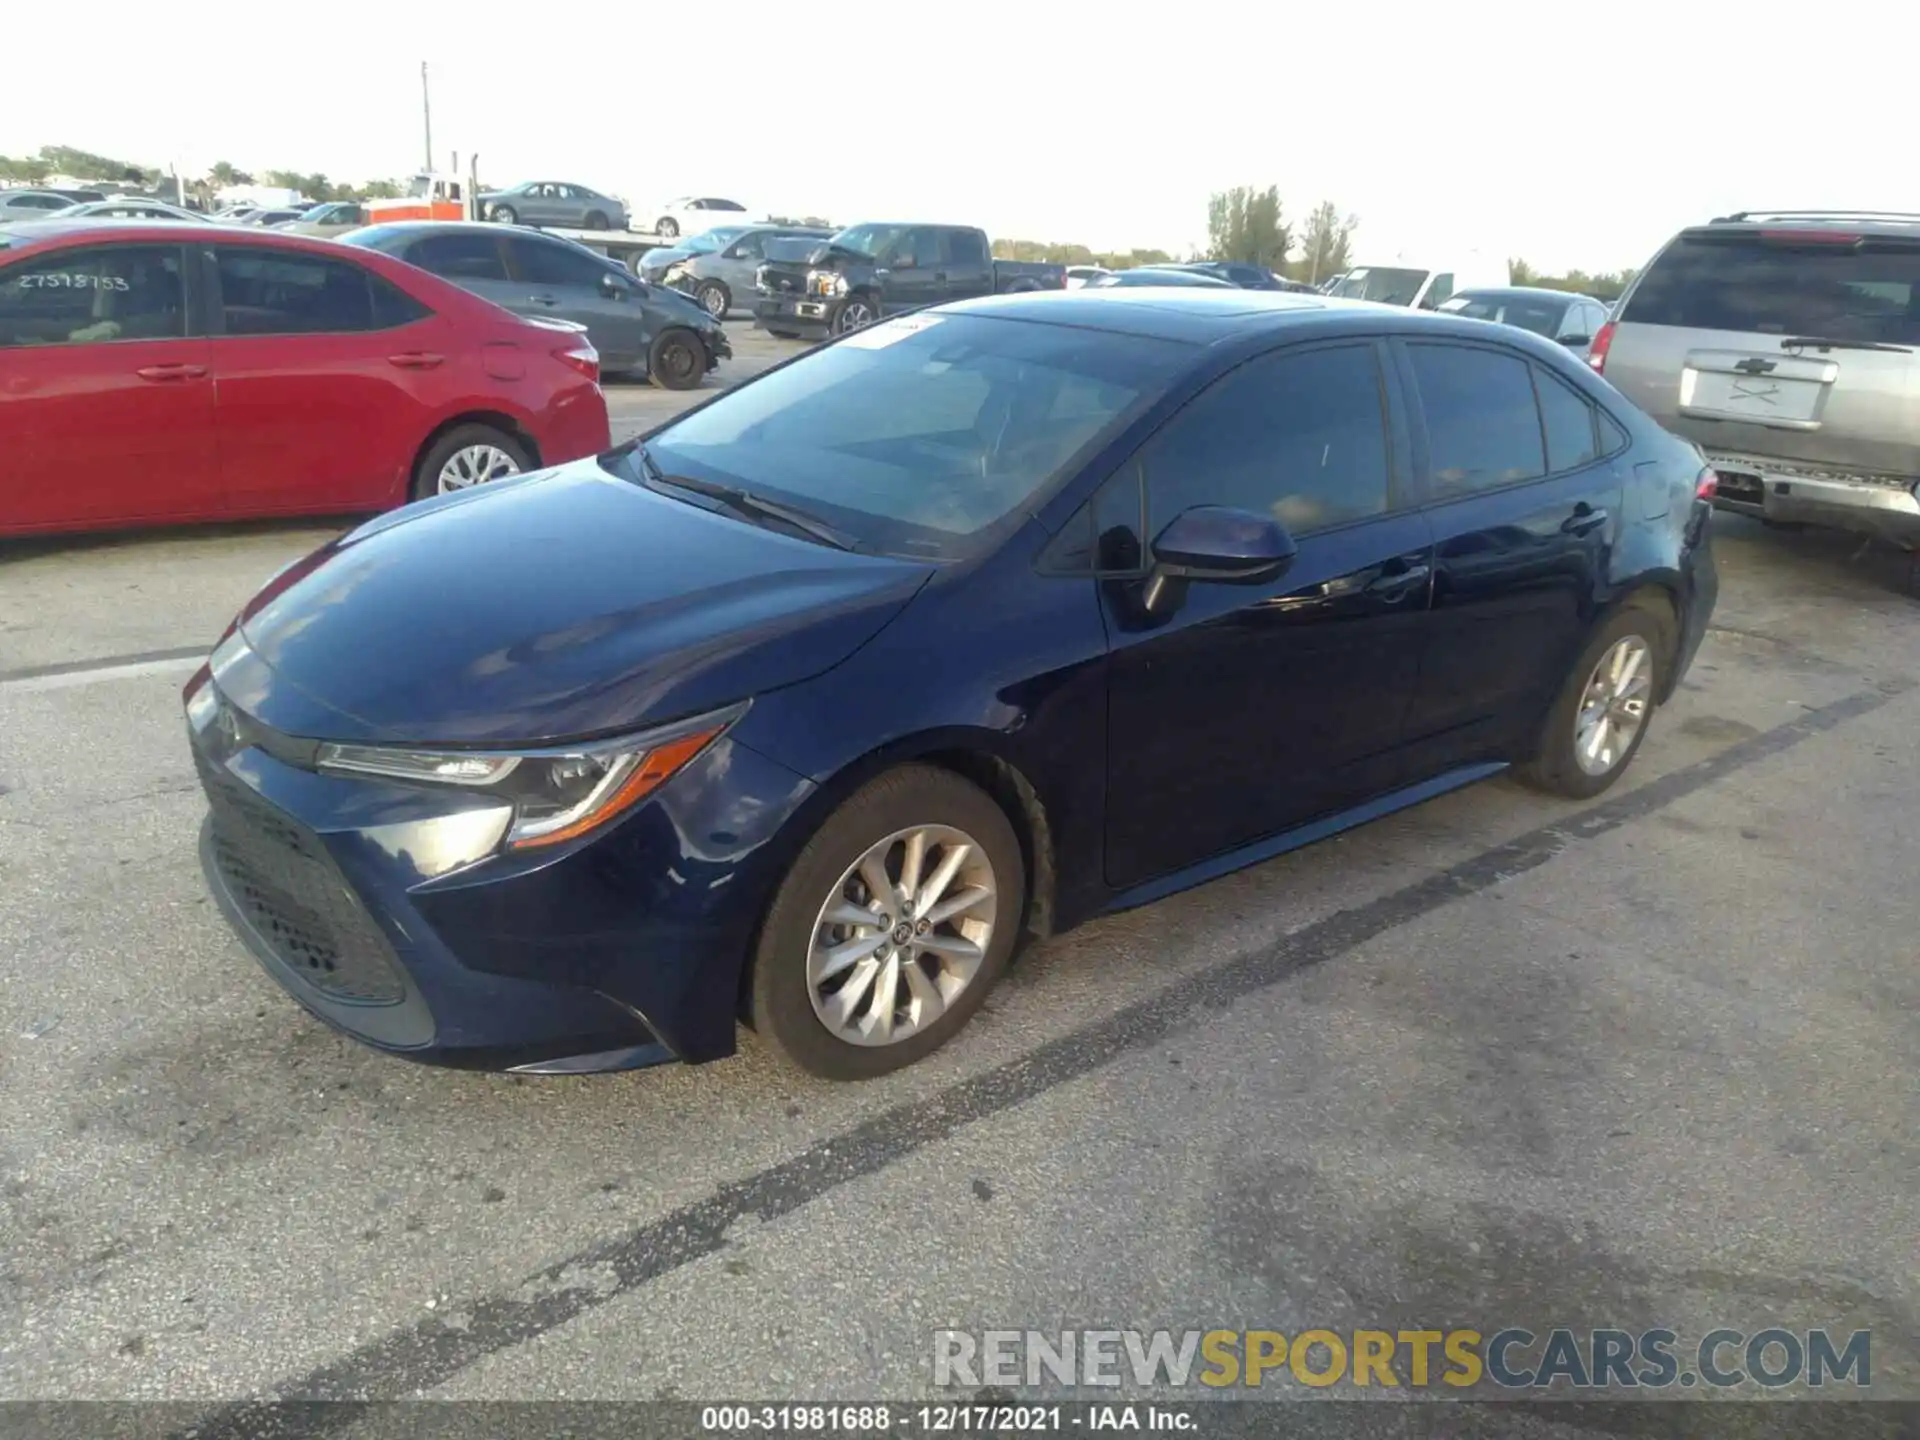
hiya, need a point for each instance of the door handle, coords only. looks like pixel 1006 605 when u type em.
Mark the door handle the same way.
pixel 416 360
pixel 1398 584
pixel 1584 520
pixel 160 374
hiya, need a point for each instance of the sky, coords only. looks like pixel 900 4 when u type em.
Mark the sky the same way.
pixel 1569 134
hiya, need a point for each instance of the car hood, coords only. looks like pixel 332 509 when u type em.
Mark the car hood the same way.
pixel 564 604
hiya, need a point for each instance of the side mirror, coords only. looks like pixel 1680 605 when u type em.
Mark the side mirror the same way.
pixel 1219 544
pixel 614 286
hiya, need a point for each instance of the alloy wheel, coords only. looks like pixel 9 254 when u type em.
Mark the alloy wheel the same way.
pixel 1613 706
pixel 475 465
pixel 902 935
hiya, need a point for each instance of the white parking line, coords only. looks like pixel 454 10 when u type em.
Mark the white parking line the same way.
pixel 65 678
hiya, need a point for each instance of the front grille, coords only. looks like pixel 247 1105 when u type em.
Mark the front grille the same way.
pixel 284 883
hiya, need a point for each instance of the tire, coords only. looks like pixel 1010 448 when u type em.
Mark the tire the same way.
pixel 714 298
pixel 856 312
pixel 666 228
pixel 1557 766
pixel 677 360
pixel 914 799
pixel 596 221
pixel 506 215
pixel 439 458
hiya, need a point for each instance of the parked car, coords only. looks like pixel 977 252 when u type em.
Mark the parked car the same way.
pixel 279 215
pixel 336 217
pixel 76 195
pixel 636 327
pixel 123 210
pixel 1161 277
pixel 1235 272
pixel 1573 320
pixel 553 202
pixel 31 204
pixel 867 272
pixel 653 266
pixel 1417 286
pixel 1078 275
pixel 1208 578
pixel 719 276
pixel 143 385
pixel 1785 343
pixel 689 215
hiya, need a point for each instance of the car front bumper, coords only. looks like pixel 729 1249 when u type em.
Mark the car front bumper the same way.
pixel 1886 506
pixel 810 315
pixel 388 911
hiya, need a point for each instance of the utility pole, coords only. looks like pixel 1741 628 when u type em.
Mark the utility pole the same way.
pixel 426 113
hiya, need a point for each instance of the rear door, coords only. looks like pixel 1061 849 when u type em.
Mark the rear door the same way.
pixel 969 265
pixel 106 398
pixel 569 283
pixel 915 270
pixel 321 368
pixel 1787 344
pixel 1524 494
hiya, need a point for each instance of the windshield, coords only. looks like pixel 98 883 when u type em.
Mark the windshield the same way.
pixel 421 187
pixel 927 435
pixel 709 241
pixel 867 240
pixel 1540 316
pixel 1388 287
pixel 1867 292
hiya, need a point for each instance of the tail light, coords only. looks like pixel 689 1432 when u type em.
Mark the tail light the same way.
pixel 1597 352
pixel 582 357
pixel 1708 485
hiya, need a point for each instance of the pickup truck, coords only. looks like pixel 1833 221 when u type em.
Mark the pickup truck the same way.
pixel 867 272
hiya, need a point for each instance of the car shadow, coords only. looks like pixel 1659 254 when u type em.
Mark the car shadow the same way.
pixel 1833 557
pixel 34 547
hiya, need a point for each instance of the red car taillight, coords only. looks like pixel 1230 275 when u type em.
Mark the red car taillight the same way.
pixel 1707 486
pixel 1597 352
pixel 582 357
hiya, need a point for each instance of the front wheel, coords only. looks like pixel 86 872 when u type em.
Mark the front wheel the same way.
pixel 893 924
pixel 677 360
pixel 505 214
pixel 465 456
pixel 666 228
pixel 856 312
pixel 596 221
pixel 714 298
pixel 1600 716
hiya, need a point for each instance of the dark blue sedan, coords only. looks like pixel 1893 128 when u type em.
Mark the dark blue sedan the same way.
pixel 973 625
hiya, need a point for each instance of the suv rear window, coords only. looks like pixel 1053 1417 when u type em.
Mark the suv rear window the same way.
pixel 1869 292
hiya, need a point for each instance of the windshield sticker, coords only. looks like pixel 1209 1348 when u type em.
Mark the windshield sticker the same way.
pixel 892 332
pixel 60 280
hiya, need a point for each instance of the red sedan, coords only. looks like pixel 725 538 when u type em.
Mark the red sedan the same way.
pixel 158 373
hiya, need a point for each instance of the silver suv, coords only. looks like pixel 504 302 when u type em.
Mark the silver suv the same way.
pixel 1784 345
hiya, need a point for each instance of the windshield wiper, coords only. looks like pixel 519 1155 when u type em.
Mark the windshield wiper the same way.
pixel 1821 342
pixel 745 502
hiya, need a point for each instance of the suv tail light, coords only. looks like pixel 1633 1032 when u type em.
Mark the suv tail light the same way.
pixel 1708 485
pixel 580 356
pixel 1597 351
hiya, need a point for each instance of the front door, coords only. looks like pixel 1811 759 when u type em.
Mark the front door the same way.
pixel 1526 506
pixel 1237 712
pixel 573 285
pixel 106 399
pixel 319 365
pixel 916 270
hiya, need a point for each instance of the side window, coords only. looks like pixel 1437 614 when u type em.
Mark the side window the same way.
pixel 1612 436
pixel 1569 423
pixel 1483 427
pixel 1441 292
pixel 752 247
pixel 80 297
pixel 1300 436
pixel 920 249
pixel 969 248
pixel 273 292
pixel 460 255
pixel 541 262
pixel 392 306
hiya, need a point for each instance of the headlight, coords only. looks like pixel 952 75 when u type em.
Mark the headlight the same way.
pixel 558 794
pixel 828 282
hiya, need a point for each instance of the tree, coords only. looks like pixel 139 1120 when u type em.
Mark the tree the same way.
pixel 1244 224
pixel 1327 243
pixel 28 169
pixel 1609 285
pixel 84 165
pixel 223 174
pixel 379 190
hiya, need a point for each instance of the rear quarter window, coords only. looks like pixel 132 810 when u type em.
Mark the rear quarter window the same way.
pixel 1869 292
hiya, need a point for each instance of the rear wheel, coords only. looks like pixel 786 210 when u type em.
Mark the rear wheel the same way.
pixel 465 456
pixel 596 221
pixel 506 214
pixel 714 298
pixel 1600 716
pixel 893 924
pixel 677 360
pixel 666 228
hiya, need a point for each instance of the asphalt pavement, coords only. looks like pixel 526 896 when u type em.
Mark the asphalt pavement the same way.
pixel 1495 1061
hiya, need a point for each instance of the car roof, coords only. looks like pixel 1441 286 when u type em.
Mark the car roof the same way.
pixel 27 234
pixel 1862 222
pixel 1522 292
pixel 1205 316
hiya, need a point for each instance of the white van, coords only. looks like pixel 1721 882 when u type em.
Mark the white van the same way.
pixel 1420 286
